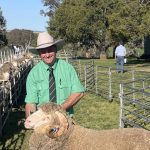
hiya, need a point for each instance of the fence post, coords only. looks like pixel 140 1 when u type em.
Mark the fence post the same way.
pixel 4 56
pixel 133 84
pixel 2 59
pixel 96 79
pixel 93 78
pixel 79 66
pixel 121 124
pixel 85 74
pixel 143 86
pixel 7 52
pixel 110 93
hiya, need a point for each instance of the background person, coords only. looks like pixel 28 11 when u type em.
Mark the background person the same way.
pixel 17 50
pixel 68 87
pixel 120 54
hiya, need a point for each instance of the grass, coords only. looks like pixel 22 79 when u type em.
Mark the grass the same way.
pixel 91 112
pixel 97 113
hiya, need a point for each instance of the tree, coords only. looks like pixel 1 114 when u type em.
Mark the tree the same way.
pixel 129 20
pixel 51 5
pixel 20 37
pixel 3 40
pixel 83 22
pixel 99 23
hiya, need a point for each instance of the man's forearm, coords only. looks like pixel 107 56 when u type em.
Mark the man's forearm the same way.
pixel 72 100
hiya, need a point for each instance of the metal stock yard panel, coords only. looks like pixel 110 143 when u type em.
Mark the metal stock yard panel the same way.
pixel 90 76
pixel 135 104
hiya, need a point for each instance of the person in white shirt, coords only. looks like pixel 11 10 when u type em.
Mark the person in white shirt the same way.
pixel 120 53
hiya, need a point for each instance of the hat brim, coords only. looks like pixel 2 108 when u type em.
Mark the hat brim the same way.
pixel 59 44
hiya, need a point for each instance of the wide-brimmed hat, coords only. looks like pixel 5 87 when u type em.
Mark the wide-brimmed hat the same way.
pixel 45 40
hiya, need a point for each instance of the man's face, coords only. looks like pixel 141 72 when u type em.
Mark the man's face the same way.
pixel 48 55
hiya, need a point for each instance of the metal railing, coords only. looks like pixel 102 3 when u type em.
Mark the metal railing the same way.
pixel 108 81
pixel 135 104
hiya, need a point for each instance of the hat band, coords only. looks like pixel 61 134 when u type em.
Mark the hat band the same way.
pixel 45 44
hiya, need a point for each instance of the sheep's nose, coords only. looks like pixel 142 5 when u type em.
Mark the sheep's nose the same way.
pixel 27 121
pixel 27 124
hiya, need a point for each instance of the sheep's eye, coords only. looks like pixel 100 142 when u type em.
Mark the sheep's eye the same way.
pixel 53 130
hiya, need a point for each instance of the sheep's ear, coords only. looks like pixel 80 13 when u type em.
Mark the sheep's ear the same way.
pixel 52 132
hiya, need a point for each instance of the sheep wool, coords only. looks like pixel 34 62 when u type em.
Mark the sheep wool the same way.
pixel 69 136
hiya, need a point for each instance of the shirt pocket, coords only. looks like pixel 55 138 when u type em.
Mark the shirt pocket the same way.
pixel 64 92
pixel 42 88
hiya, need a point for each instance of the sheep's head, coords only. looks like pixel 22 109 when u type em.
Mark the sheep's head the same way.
pixel 50 119
pixel 28 55
pixel 6 76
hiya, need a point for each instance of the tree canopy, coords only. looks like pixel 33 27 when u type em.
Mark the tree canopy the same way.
pixel 51 5
pixel 100 23
pixel 3 40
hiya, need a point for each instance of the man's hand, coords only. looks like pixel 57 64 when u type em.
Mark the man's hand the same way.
pixel 30 108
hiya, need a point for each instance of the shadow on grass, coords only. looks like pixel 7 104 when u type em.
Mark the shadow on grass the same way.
pixel 14 131
pixel 138 61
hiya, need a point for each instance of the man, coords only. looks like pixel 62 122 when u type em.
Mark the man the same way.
pixel 120 53
pixel 66 88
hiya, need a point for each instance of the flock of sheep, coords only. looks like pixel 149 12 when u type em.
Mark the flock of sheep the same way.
pixel 53 129
pixel 11 73
pixel 8 69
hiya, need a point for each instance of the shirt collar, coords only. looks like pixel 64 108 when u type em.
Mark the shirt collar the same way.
pixel 46 67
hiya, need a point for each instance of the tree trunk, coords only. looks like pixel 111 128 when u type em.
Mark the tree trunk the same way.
pixel 103 55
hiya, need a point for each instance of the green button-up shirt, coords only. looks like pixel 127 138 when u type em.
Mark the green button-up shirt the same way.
pixel 66 79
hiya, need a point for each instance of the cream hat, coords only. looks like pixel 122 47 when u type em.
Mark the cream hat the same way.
pixel 45 40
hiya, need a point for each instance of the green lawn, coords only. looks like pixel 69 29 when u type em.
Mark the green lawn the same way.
pixel 95 112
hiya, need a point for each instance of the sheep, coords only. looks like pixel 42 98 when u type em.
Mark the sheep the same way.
pixel 28 55
pixel 21 62
pixel 55 130
pixel 4 76
pixel 6 70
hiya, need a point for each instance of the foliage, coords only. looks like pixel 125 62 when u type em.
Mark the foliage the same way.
pixel 34 40
pixel 99 23
pixel 131 18
pixel 52 6
pixel 20 37
pixel 3 40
